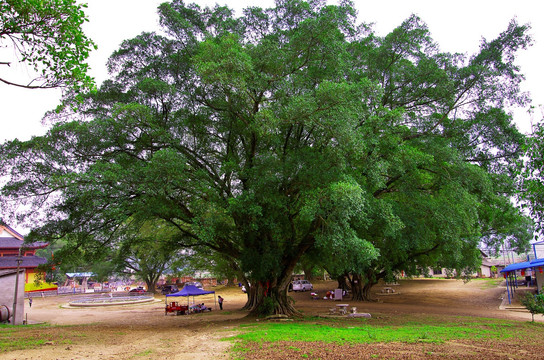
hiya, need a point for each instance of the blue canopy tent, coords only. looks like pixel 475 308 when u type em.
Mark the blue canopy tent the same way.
pixel 510 273
pixel 191 290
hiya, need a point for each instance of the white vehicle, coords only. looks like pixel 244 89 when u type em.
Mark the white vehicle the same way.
pixel 302 285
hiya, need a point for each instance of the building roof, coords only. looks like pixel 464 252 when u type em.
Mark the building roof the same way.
pixel 8 272
pixel 492 262
pixel 12 243
pixel 7 228
pixel 28 262
pixel 11 239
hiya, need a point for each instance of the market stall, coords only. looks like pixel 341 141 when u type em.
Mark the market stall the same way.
pixel 187 291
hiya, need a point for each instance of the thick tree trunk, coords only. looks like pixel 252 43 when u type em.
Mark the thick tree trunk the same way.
pixel 151 285
pixel 343 282
pixel 270 298
pixel 360 288
pixel 308 273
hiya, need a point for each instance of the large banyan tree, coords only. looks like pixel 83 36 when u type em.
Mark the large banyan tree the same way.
pixel 280 132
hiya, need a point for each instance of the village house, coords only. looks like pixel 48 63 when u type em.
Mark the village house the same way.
pixel 14 253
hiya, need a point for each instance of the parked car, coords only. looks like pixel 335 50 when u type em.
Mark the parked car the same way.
pixel 195 283
pixel 302 285
pixel 138 290
pixel 169 289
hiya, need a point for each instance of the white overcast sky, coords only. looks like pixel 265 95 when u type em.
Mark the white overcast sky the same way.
pixel 457 26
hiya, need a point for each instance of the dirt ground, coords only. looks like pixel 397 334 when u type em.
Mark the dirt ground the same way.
pixel 144 332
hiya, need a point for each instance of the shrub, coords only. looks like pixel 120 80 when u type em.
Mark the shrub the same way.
pixel 534 303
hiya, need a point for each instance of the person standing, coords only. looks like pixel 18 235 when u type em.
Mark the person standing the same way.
pixel 30 301
pixel 220 301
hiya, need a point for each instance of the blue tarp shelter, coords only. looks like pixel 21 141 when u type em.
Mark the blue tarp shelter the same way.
pixel 191 290
pixel 510 272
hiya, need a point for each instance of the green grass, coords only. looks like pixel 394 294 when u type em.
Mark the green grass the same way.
pixel 429 330
pixel 23 337
pixel 289 336
pixel 8 342
pixel 145 353
pixel 488 283
pixel 20 344
pixel 311 332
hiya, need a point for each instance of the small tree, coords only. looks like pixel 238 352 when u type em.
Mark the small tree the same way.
pixel 493 270
pixel 533 303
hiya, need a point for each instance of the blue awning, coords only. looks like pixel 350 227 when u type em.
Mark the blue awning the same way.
pixel 537 262
pixel 523 265
pixel 518 266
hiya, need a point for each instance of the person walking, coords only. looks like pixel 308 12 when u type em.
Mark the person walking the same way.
pixel 220 301
pixel 30 301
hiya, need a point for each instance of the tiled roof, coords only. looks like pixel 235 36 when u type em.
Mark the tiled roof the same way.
pixel 7 272
pixel 10 262
pixel 12 243
pixel 492 262
pixel 10 230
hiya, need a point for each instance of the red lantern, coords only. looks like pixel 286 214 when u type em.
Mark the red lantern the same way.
pixel 522 272
pixel 504 275
pixel 540 269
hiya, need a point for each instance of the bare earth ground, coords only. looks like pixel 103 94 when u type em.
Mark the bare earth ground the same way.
pixel 144 332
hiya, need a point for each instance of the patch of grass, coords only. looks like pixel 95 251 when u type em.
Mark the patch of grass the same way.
pixel 20 344
pixel 366 333
pixel 15 327
pixel 342 331
pixel 9 339
pixel 488 283
pixel 26 337
pixel 144 353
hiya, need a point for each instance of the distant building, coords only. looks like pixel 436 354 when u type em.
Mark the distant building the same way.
pixel 11 246
pixel 489 268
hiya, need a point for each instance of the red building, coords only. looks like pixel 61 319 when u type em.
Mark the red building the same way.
pixel 11 246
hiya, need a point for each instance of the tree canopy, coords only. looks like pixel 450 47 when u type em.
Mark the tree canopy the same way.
pixel 287 131
pixel 531 184
pixel 47 36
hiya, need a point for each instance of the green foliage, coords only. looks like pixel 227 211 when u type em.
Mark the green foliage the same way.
pixel 533 303
pixel 267 306
pixel 146 249
pixel 531 188
pixel 47 36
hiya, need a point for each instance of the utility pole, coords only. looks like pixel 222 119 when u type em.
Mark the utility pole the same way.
pixel 19 261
